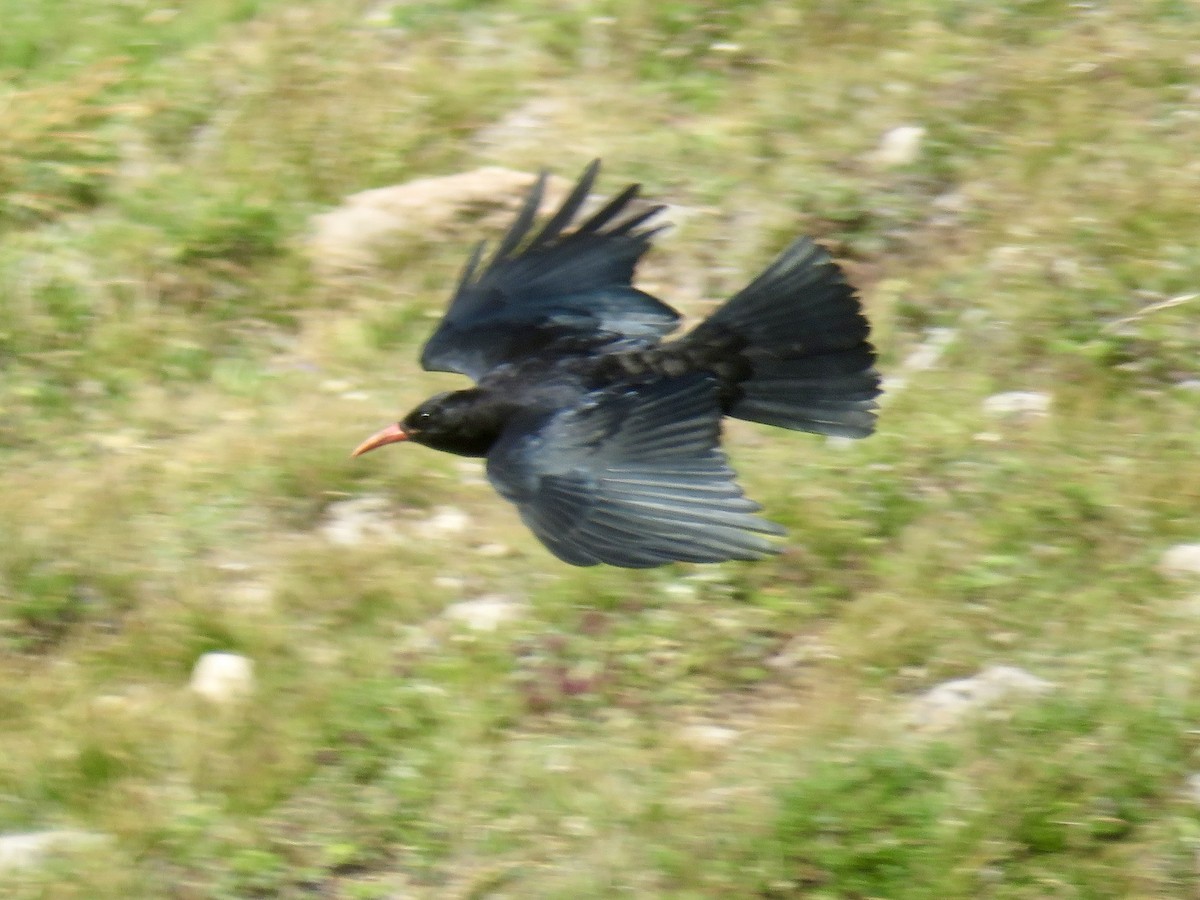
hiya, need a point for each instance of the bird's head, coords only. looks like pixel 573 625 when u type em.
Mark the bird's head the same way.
pixel 460 422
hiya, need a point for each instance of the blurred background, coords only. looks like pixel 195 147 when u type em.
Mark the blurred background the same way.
pixel 972 671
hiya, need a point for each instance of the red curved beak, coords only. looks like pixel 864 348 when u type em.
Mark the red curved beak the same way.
pixel 389 435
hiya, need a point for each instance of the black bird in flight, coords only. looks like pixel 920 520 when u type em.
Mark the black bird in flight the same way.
pixel 606 437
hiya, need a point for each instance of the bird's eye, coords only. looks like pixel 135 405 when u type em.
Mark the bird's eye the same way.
pixel 423 418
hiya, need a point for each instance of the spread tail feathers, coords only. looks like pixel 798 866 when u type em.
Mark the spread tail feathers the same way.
pixel 801 341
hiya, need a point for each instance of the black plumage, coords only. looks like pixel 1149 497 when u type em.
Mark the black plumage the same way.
pixel 606 437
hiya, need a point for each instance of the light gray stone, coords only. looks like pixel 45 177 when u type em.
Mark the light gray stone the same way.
pixel 899 146
pixel 494 550
pixel 222 677
pixel 349 523
pixel 1026 405
pixel 707 737
pixel 949 703
pixel 1191 788
pixel 923 358
pixel 521 126
pixel 1180 561
pixel 446 521
pixel 30 849
pixel 486 613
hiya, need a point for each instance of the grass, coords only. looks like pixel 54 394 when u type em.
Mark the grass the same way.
pixel 179 389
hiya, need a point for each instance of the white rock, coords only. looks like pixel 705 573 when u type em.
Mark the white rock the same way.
pixel 707 737
pixel 29 849
pixel 930 351
pixel 1025 405
pixel 923 358
pixel 521 126
pixel 445 521
pixel 1188 608
pixel 579 826
pixel 349 523
pixel 949 703
pixel 1010 259
pixel 486 613
pixel 379 15
pixel 1180 561
pixel 493 551
pixel 900 146
pixel 120 441
pixel 558 759
pixel 1191 788
pixel 679 591
pixel 222 677
pixel 949 208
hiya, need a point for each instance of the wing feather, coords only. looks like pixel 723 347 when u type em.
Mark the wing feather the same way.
pixel 571 206
pixel 631 478
pixel 523 222
pixel 557 289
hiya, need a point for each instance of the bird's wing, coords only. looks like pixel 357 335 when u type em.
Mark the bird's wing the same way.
pixel 554 288
pixel 631 477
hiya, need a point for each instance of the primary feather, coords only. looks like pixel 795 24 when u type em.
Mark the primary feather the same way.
pixel 566 289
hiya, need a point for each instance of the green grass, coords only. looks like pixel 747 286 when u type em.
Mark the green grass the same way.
pixel 179 389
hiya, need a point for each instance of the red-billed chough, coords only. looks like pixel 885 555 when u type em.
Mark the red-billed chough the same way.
pixel 606 437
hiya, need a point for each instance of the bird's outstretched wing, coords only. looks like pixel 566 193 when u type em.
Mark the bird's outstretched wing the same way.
pixel 631 478
pixel 552 289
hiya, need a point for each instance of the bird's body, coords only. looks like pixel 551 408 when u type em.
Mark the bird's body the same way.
pixel 604 435
pixel 553 381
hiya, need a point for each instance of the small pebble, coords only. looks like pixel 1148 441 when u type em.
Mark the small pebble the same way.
pixel 445 521
pixel 1191 788
pixel 1180 561
pixel 222 677
pixel 486 613
pixel 900 146
pixel 493 550
pixel 707 737
pixel 349 523
pixel 1024 405
pixel 29 849
pixel 951 702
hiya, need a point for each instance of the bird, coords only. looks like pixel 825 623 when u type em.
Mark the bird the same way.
pixel 604 434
